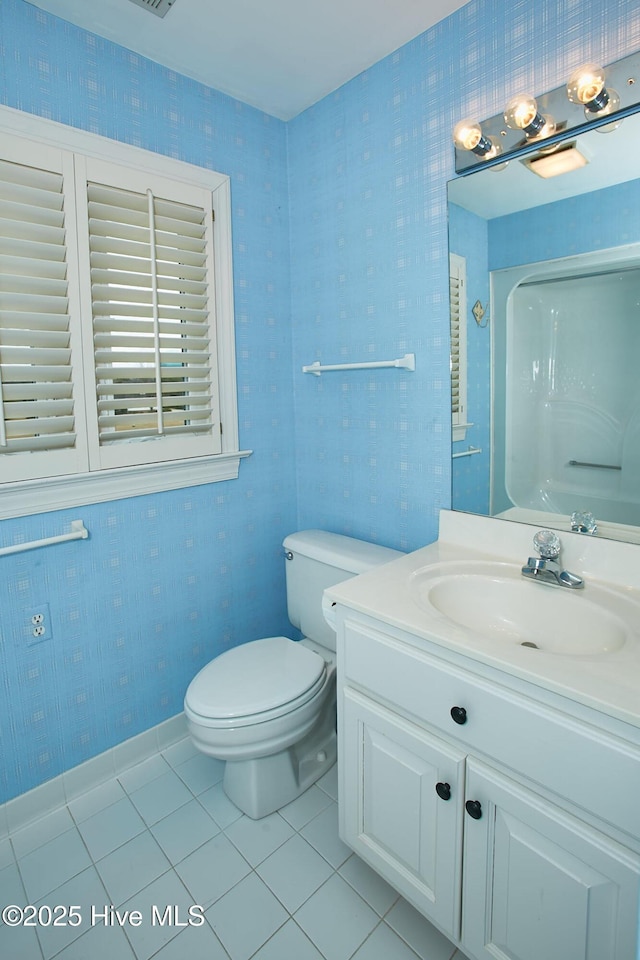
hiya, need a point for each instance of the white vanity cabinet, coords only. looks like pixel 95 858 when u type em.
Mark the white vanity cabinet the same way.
pixel 509 822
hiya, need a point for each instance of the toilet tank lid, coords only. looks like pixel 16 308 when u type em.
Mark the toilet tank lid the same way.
pixel 344 553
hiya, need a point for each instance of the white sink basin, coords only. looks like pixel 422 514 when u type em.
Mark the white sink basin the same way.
pixel 493 600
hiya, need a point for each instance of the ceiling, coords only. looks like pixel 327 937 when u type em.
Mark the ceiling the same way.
pixel 280 56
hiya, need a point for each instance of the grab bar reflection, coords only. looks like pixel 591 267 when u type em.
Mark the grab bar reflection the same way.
pixel 466 453
pixel 78 532
pixel 598 466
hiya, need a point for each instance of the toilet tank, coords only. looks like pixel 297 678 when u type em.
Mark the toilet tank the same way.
pixel 317 560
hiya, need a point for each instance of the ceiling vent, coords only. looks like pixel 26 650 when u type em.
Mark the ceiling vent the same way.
pixel 159 7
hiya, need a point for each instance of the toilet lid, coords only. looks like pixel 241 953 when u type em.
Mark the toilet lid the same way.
pixel 254 677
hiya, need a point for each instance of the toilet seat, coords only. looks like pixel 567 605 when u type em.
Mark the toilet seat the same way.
pixel 255 682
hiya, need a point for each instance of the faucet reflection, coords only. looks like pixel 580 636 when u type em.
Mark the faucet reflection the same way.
pixel 584 522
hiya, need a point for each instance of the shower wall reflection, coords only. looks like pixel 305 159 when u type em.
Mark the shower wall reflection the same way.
pixel 570 399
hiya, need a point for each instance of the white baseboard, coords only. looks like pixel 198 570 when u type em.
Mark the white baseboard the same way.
pixel 36 803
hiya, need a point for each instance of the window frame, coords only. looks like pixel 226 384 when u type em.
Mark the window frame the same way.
pixel 23 497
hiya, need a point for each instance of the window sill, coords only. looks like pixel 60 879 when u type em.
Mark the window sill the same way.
pixel 459 431
pixel 61 493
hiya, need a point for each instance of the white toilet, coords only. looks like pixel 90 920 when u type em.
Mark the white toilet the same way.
pixel 267 707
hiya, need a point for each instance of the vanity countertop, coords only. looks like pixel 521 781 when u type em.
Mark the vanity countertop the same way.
pixel 608 682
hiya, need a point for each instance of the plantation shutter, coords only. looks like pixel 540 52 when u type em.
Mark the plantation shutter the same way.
pixel 37 296
pixel 151 256
pixel 457 300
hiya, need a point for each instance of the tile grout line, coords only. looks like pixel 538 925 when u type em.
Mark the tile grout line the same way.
pixel 295 831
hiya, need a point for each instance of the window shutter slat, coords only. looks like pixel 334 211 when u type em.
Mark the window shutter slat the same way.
pixel 115 265
pixel 38 444
pixel 112 294
pixel 182 283
pixel 103 325
pixel 35 359
pixel 25 230
pixel 16 175
pixel 31 268
pixel 116 247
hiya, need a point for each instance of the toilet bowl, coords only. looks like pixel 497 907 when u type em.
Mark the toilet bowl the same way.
pixel 257 699
pixel 268 707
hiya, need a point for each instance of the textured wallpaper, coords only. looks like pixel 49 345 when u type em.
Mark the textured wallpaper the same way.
pixel 368 169
pixel 340 254
pixel 165 582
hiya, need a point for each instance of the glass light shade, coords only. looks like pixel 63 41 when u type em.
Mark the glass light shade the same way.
pixel 467 135
pixel 586 86
pixel 521 112
pixel 495 149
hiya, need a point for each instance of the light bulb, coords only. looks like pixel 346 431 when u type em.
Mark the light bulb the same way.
pixel 467 135
pixel 586 86
pixel 521 113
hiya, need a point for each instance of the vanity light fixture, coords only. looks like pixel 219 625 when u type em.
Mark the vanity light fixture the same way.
pixel 521 113
pixel 594 97
pixel 563 160
pixel 468 135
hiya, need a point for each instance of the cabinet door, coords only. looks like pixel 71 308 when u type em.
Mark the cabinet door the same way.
pixel 401 793
pixel 539 883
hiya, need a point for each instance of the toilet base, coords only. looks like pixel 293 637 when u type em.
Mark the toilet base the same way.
pixel 261 786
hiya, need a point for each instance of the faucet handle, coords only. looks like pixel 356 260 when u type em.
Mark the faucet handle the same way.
pixel 547 543
pixel 583 522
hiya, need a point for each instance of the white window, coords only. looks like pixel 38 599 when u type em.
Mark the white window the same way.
pixel 458 302
pixel 117 364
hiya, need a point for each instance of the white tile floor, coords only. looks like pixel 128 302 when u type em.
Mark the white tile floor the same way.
pixel 164 834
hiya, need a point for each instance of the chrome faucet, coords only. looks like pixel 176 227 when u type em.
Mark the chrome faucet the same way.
pixel 546 568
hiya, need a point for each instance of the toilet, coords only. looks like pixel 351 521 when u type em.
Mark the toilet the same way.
pixel 268 707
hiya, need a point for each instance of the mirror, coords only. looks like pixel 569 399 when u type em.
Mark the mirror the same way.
pixel 551 420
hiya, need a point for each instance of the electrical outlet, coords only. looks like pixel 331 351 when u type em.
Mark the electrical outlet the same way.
pixel 38 626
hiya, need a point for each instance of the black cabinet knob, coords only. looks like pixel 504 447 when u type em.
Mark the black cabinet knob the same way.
pixel 459 714
pixel 474 809
pixel 443 790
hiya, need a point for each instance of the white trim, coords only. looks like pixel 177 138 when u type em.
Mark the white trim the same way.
pixel 92 144
pixel 61 493
pixel 74 783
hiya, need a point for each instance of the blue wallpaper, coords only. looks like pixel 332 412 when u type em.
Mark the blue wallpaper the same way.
pixel 340 247
pixel 165 581
pixel 368 168
pixel 609 218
